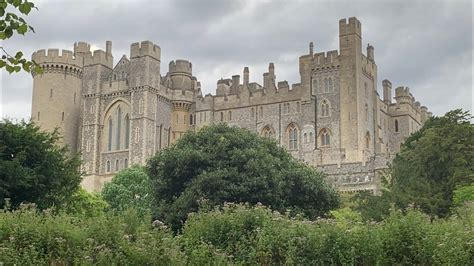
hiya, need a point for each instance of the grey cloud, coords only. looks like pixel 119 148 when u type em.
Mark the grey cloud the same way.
pixel 425 45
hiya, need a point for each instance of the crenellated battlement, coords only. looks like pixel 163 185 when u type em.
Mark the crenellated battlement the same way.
pixel 98 57
pixel 180 66
pixel 326 58
pixel 66 57
pixel 145 48
pixel 353 26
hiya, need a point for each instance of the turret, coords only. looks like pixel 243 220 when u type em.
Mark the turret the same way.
pixel 370 52
pixel 246 76
pixel 269 77
pixel 57 92
pixel 387 91
pixel 180 72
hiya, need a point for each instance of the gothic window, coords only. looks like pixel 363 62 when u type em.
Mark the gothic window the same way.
pixel 119 127
pixel 108 166
pixel 267 132
pixel 292 132
pixel 230 115
pixel 109 144
pixel 325 137
pixel 310 136
pixel 396 125
pixel 305 137
pixel 127 131
pixel 324 108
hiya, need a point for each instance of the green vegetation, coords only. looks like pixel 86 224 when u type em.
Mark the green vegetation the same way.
pixel 11 22
pixel 130 188
pixel 433 162
pixel 226 164
pixel 33 168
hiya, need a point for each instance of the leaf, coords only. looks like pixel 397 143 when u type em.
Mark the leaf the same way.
pixel 25 8
pixel 18 55
pixel 2 35
pixel 2 63
pixel 9 68
pixel 22 29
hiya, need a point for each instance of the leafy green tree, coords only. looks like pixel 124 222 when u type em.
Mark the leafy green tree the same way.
pixel 226 164
pixel 130 188
pixel 433 162
pixel 84 203
pixel 9 24
pixel 33 167
pixel 463 194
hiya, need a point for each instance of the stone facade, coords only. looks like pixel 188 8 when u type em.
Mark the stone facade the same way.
pixel 121 115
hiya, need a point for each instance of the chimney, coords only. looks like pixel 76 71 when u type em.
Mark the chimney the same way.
pixel 311 46
pixel 370 52
pixel 108 47
pixel 246 76
pixel 387 91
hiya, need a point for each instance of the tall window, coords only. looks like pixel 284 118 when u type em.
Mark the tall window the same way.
pixel 324 108
pixel 116 165
pixel 305 137
pixel 125 163
pixel 119 127
pixel 109 144
pixel 108 166
pixel 230 115
pixel 366 113
pixel 127 131
pixel 62 116
pixel 396 125
pixel 298 107
pixel 325 138
pixel 367 140
pixel 222 116
pixel 292 137
pixel 329 85
pixel 261 112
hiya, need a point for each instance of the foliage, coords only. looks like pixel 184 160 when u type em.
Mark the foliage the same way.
pixel 84 203
pixel 433 162
pixel 463 194
pixel 373 207
pixel 33 167
pixel 130 188
pixel 227 164
pixel 11 23
pixel 255 235
pixel 29 237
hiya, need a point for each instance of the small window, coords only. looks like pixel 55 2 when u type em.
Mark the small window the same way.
pixel 310 136
pixel 74 97
pixel 125 163
pixel 367 140
pixel 396 125
pixel 190 119
pixel 261 112
pixel 298 107
pixel 205 116
pixel 324 108
pixel 305 137
pixel 117 165
pixel 137 135
pixel 51 93
pixel 292 137
pixel 108 166
pixel 325 138
pixel 38 116
pixel 230 115
pixel 222 116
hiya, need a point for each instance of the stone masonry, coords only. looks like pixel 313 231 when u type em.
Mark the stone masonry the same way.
pixel 333 119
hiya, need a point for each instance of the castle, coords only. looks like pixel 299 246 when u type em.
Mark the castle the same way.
pixel 334 119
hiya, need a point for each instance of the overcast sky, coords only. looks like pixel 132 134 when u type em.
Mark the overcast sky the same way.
pixel 425 45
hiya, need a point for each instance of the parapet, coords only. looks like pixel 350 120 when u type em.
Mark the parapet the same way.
pixel 82 47
pixel 387 83
pixel 145 48
pixel 352 27
pixel 99 57
pixel 53 56
pixel 329 57
pixel 180 67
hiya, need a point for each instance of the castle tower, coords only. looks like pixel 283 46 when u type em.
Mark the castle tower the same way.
pixel 351 104
pixel 57 93
pixel 387 91
pixel 181 72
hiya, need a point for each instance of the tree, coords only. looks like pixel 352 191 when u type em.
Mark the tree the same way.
pixel 226 164
pixel 33 167
pixel 433 162
pixel 83 203
pixel 130 188
pixel 9 24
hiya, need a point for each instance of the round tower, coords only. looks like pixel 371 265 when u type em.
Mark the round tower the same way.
pixel 57 92
pixel 181 72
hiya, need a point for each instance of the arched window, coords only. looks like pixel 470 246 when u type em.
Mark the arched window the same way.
pixel 396 125
pixel 116 165
pixel 292 137
pixel 127 131
pixel 125 163
pixel 325 137
pixel 108 166
pixel 310 136
pixel 324 108
pixel 230 115
pixel 267 132
pixel 367 140
pixel 222 116
pixel 298 107
pixel 109 144
pixel 305 137
pixel 191 119
pixel 119 127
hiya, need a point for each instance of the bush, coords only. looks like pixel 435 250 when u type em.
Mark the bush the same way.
pixel 130 188
pixel 224 164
